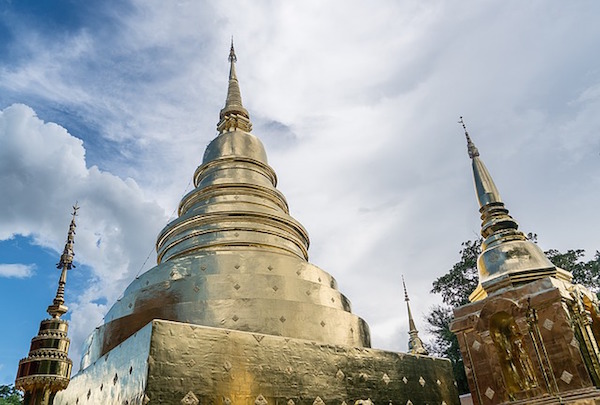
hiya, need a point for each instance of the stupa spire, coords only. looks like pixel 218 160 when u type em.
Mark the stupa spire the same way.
pixel 484 184
pixel 415 344
pixel 473 152
pixel 47 368
pixel 508 257
pixel 57 309
pixel 233 116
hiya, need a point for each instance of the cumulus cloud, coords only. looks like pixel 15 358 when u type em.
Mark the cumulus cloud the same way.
pixel 16 270
pixel 45 168
pixel 358 113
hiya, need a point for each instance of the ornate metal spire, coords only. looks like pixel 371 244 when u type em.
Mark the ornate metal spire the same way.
pixel 415 344
pixel 486 189
pixel 47 368
pixel 57 309
pixel 233 116
pixel 473 152
pixel 508 257
pixel 232 57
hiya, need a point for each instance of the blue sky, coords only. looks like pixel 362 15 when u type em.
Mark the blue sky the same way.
pixel 112 104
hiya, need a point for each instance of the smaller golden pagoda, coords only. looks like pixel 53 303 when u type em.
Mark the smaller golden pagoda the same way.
pixel 529 335
pixel 415 344
pixel 508 258
pixel 47 368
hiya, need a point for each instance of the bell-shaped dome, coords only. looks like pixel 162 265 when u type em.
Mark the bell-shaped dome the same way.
pixel 236 143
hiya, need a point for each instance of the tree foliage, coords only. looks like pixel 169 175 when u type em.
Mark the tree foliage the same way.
pixel 9 395
pixel 586 273
pixel 445 343
pixel 456 285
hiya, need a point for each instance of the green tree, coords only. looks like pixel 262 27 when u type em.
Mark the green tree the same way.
pixel 9 395
pixel 461 280
pixel 456 285
pixel 586 273
pixel 445 343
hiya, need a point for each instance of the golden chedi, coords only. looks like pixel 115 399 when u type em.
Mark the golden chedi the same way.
pixel 47 368
pixel 529 335
pixel 234 313
pixel 234 258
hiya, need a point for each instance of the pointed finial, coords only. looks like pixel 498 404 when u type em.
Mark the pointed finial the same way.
pixel 232 57
pixel 57 309
pixel 405 292
pixel 66 259
pixel 233 116
pixel 415 344
pixel 473 152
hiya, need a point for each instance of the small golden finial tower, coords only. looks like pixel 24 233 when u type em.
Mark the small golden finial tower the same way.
pixel 508 258
pixel 415 344
pixel 47 368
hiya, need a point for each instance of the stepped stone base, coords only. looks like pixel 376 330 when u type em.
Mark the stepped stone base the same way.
pixel 177 363
pixel 587 396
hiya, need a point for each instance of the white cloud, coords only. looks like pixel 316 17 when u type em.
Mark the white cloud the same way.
pixel 85 317
pixel 16 270
pixel 368 152
pixel 45 169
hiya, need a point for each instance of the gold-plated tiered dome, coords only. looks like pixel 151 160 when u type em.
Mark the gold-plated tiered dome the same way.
pixel 47 368
pixel 234 258
pixel 235 314
pixel 508 258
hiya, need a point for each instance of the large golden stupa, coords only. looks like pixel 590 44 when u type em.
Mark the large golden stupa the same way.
pixel 235 314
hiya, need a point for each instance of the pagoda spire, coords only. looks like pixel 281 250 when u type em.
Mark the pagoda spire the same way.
pixel 508 257
pixel 233 116
pixel 58 308
pixel 47 368
pixel 487 193
pixel 415 344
